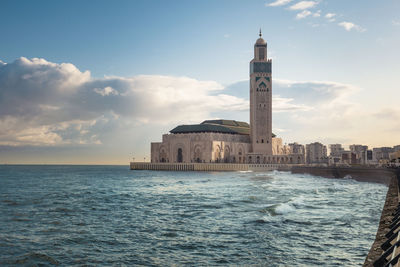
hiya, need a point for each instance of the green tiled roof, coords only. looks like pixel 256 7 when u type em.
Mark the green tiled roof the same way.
pixel 227 123
pixel 199 128
pixel 215 126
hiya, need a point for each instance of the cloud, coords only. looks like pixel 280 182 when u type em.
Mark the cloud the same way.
pixel 317 14
pixel 44 103
pixel 279 3
pixel 348 26
pixel 303 14
pixel 303 5
pixel 282 104
pixel 309 92
pixel 396 22
pixel 106 91
pixel 330 15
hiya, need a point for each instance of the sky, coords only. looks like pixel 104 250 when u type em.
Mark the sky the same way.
pixel 95 82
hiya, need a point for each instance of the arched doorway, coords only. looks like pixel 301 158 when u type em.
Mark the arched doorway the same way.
pixel 180 155
pixel 163 155
pixel 227 154
pixel 197 154
pixel 217 155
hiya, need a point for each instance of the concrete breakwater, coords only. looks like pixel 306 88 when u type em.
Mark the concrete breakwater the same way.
pixel 385 249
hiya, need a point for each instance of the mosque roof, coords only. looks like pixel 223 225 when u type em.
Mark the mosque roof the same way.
pixel 215 126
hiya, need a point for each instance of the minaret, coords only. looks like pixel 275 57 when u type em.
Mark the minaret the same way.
pixel 261 100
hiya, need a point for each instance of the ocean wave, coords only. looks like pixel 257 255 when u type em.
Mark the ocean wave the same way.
pixel 35 258
pixel 279 209
pixel 284 208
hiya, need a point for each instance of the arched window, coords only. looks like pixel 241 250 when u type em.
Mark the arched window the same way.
pixel 180 155
pixel 262 140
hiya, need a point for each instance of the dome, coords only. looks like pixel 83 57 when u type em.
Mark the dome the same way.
pixel 260 41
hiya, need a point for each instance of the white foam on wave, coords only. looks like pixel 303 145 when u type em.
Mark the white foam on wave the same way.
pixel 299 201
pixel 284 208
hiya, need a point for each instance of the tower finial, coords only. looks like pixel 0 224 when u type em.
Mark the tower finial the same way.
pixel 260 33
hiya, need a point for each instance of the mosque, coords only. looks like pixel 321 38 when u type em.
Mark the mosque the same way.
pixel 230 141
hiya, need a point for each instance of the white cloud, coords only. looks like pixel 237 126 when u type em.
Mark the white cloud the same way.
pixel 279 3
pixel 44 103
pixel 330 15
pixel 317 14
pixel 348 26
pixel 108 90
pixel 283 104
pixel 303 5
pixel 303 14
pixel 396 22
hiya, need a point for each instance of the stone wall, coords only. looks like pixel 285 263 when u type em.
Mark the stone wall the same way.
pixel 207 166
pixel 362 174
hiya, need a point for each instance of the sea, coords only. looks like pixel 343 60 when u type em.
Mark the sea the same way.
pixel 112 216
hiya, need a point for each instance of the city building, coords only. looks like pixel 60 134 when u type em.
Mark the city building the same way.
pixel 230 141
pixel 316 153
pixel 295 148
pixel 336 150
pixel 361 153
pixel 394 157
pixel 381 154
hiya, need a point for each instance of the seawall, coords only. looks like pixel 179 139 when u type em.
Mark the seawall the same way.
pixel 387 223
pixel 207 166
pixel 362 174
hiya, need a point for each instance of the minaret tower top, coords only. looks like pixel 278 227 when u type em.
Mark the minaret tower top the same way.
pixel 260 48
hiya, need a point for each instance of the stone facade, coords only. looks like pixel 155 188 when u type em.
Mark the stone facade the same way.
pixel 201 148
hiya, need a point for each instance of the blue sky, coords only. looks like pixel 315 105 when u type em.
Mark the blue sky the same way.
pixel 335 69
